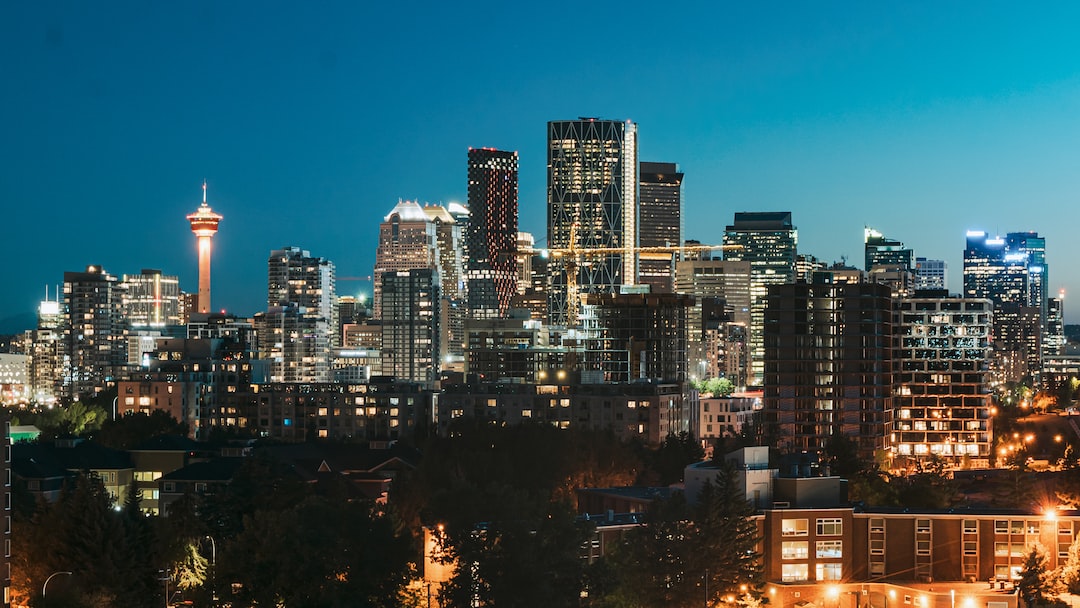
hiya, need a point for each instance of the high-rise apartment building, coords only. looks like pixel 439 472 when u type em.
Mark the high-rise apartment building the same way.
pixel 767 240
pixel 301 318
pixel 943 359
pixel 492 233
pixel 151 299
pixel 95 343
pixel 592 203
pixel 48 355
pixel 659 222
pixel 410 318
pixel 829 364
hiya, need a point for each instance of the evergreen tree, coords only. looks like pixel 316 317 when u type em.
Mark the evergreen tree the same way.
pixel 1038 585
pixel 1070 570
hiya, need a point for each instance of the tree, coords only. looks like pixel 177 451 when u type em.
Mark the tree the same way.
pixel 1038 585
pixel 686 552
pixel 136 427
pixel 1070 570
pixel 714 387
pixel 319 553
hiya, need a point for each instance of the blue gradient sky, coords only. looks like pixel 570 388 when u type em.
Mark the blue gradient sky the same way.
pixel 309 121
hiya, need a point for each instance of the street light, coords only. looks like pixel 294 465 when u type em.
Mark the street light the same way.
pixel 46 584
pixel 213 569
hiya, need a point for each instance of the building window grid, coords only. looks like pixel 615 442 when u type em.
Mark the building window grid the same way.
pixel 830 527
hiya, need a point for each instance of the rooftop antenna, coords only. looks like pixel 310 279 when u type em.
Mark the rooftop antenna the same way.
pixel 204 191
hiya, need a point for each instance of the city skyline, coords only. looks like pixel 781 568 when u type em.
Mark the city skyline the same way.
pixel 920 121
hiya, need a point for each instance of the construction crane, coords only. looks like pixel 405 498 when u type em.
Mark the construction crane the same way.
pixel 574 256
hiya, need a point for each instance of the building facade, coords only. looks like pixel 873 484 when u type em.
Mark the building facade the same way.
pixel 409 319
pixel 767 240
pixel 659 223
pixel 151 299
pixel 592 185
pixel 943 400
pixel 829 364
pixel 95 335
pixel 492 232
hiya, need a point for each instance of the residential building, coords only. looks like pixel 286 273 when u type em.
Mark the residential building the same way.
pixel 645 411
pixel 942 383
pixel 95 342
pixel 829 364
pixel 410 321
pixel 298 329
pixel 592 186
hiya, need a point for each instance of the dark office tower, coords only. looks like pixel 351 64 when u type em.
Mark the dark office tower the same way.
pixel 882 251
pixel 768 241
pixel 829 364
pixel 659 222
pixel 491 270
pixel 592 203
pixel 410 324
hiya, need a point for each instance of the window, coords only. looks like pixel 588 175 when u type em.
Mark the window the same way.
pixel 828 572
pixel 829 549
pixel 830 527
pixel 1001 526
pixel 877 568
pixel 922 547
pixel 1016 527
pixel 794 527
pixel 1001 549
pixel 200 486
pixel 794 572
pixel 971 547
pixel 877 547
pixel 794 550
pixel 922 526
pixel 169 487
pixel 877 525
pixel 971 526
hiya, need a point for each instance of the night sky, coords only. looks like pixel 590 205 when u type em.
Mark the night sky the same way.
pixel 310 120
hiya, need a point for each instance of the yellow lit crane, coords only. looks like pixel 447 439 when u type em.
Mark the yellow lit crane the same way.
pixel 573 256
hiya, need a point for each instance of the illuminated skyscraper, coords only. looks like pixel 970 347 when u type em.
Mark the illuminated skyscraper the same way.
pixel 410 325
pixel 492 233
pixel 768 241
pixel 204 223
pixel 407 240
pixel 1011 272
pixel 659 222
pixel 592 203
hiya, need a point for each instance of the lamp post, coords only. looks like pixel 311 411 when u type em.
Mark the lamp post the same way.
pixel 46 584
pixel 213 569
pixel 114 401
